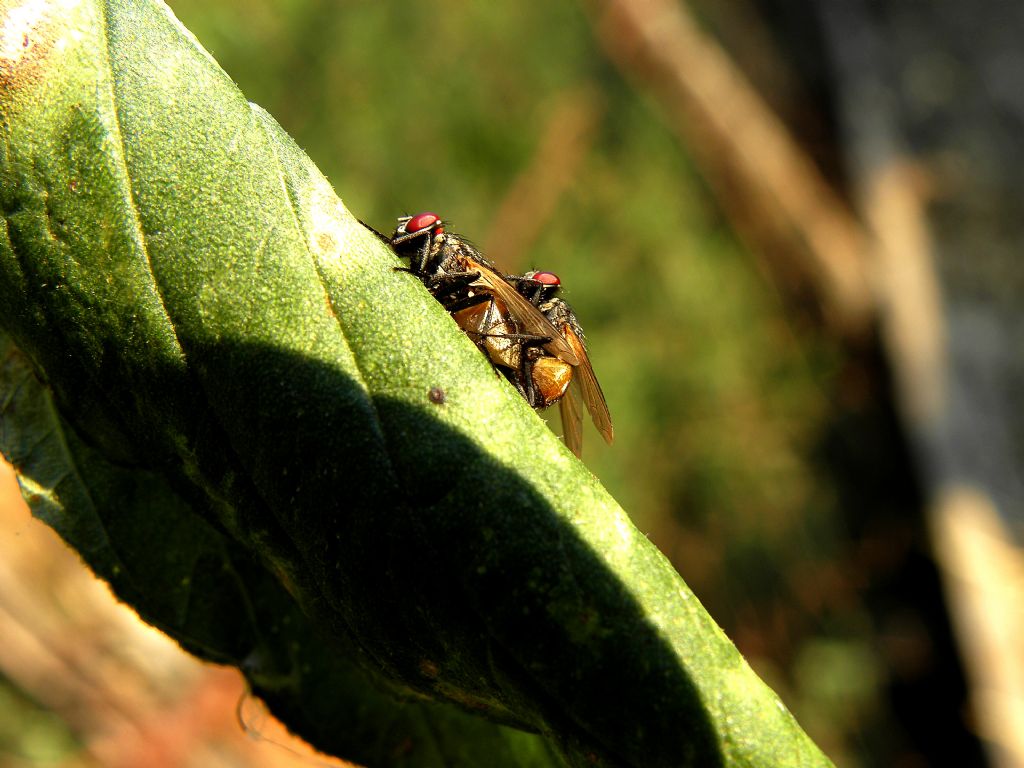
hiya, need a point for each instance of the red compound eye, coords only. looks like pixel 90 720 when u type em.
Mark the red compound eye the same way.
pixel 546 278
pixel 423 221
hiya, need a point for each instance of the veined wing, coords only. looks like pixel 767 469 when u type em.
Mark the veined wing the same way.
pixel 593 397
pixel 572 420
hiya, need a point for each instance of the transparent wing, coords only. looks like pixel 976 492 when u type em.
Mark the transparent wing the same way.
pixel 572 420
pixel 593 397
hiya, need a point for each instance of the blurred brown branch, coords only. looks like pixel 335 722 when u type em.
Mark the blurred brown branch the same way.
pixel 774 195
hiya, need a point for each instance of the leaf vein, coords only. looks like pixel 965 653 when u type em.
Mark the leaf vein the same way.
pixel 121 154
pixel 293 208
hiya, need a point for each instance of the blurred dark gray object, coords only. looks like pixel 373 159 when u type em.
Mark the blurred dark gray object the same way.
pixel 930 105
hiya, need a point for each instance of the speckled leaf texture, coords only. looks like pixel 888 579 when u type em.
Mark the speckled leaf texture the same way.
pixel 216 388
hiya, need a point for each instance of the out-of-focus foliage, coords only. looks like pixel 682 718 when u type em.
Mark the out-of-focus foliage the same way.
pixel 26 729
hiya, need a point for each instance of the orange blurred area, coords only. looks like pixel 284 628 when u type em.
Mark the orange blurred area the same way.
pixel 85 682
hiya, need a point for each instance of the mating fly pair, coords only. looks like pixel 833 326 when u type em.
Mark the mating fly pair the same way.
pixel 527 332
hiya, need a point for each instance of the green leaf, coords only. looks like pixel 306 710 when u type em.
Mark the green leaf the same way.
pixel 236 432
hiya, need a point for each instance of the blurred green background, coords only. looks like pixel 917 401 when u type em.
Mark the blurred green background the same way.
pixel 759 452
